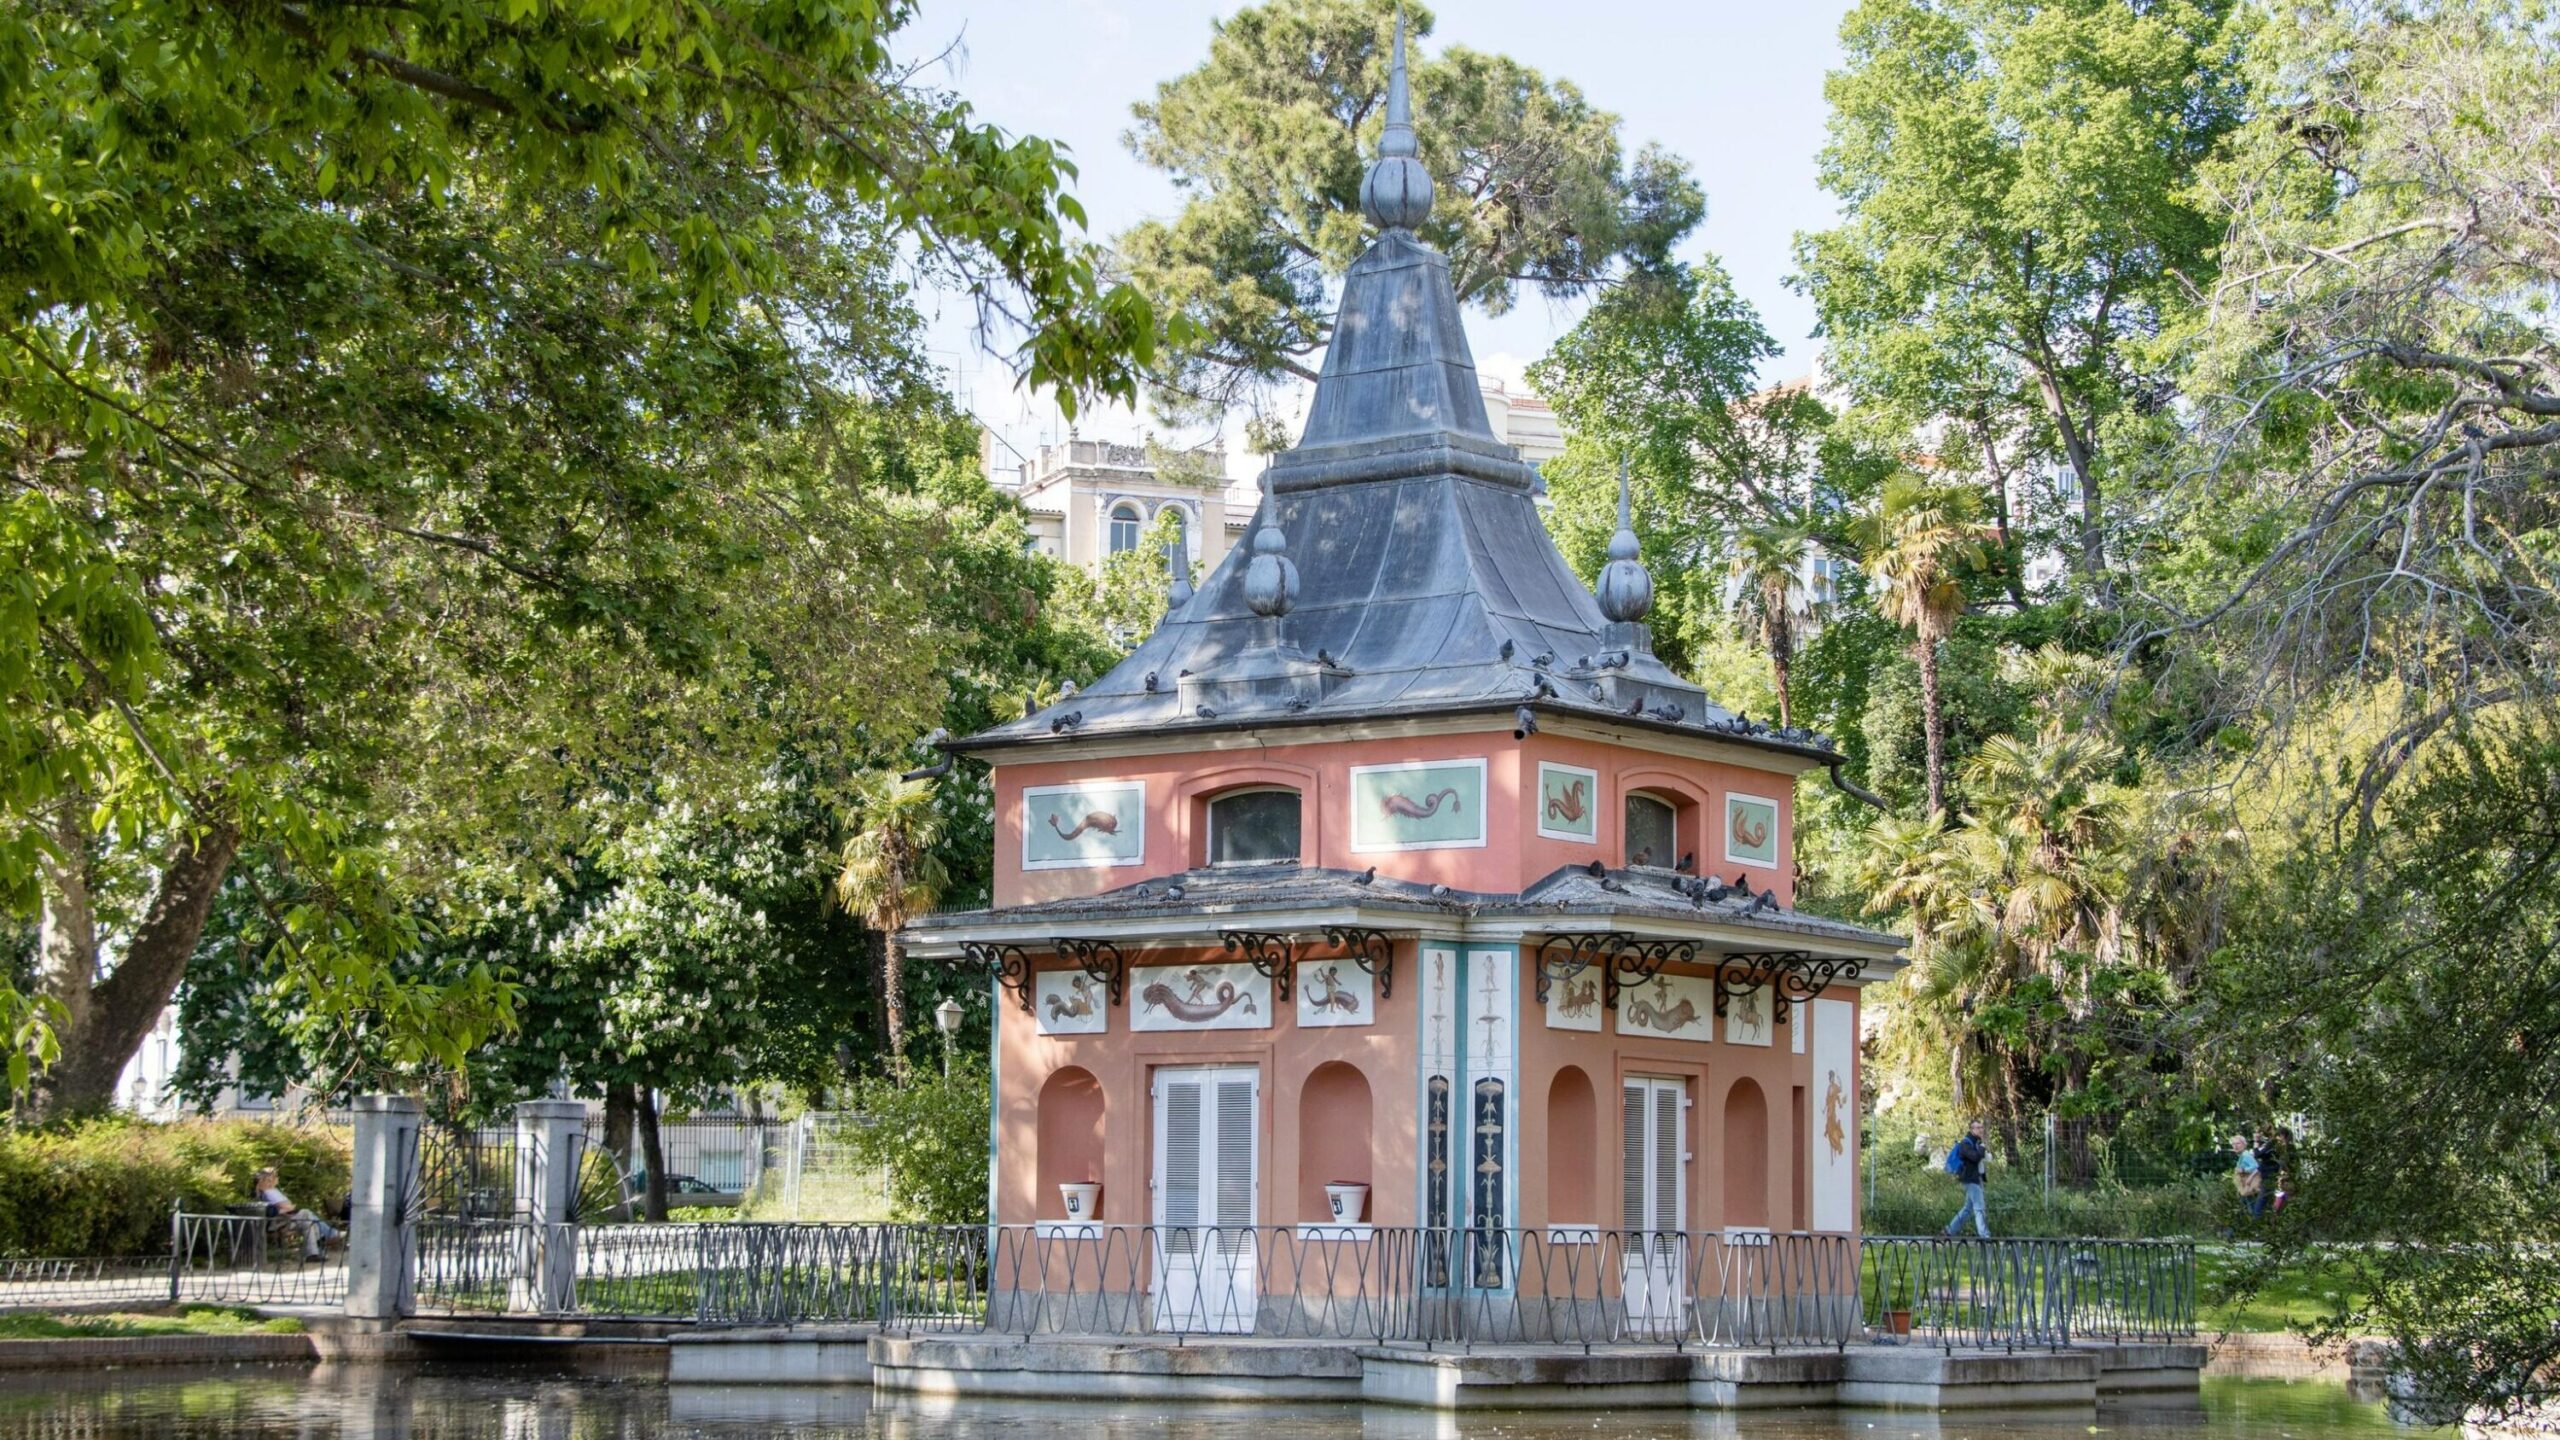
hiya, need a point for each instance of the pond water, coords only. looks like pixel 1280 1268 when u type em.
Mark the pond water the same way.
pixel 379 1404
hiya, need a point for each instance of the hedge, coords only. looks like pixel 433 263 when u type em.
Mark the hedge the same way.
pixel 104 1186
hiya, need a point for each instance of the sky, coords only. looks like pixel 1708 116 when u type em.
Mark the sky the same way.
pixel 1733 87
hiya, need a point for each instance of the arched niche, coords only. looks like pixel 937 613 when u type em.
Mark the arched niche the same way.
pixel 1746 1155
pixel 1573 1149
pixel 1069 1146
pixel 1333 1136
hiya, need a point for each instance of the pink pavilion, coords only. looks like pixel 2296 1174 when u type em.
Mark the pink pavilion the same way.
pixel 1392 894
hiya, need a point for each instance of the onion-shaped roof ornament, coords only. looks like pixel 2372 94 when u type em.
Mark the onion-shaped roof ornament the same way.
pixel 1625 590
pixel 1396 193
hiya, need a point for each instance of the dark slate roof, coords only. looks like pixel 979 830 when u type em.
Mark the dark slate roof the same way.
pixel 1426 578
pixel 1626 896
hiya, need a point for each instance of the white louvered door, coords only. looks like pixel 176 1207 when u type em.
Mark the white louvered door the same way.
pixel 1654 1180
pixel 1206 1165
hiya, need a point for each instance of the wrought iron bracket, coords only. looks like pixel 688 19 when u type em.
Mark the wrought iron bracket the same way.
pixel 1800 977
pixel 1271 953
pixel 1636 961
pixel 1737 981
pixel 1562 957
pixel 1101 961
pixel 1371 950
pixel 1007 963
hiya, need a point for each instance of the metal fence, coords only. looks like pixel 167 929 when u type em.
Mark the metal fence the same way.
pixel 2026 1293
pixel 211 1260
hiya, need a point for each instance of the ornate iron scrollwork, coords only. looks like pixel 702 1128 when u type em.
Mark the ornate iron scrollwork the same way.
pixel 1637 961
pixel 1101 960
pixel 1737 982
pixel 1271 953
pixel 1007 963
pixel 1562 957
pixel 1800 978
pixel 1371 950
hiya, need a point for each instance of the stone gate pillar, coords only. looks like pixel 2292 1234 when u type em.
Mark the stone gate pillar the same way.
pixel 382 1251
pixel 550 1137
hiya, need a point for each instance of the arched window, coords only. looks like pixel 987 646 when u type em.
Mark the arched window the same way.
pixel 1653 832
pixel 1181 527
pixel 1125 525
pixel 1254 827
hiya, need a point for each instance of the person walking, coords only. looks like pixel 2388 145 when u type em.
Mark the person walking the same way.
pixel 1968 1157
pixel 2245 1175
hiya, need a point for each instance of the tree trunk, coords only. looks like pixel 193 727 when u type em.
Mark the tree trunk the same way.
pixel 1933 731
pixel 2000 514
pixel 67 928
pixel 111 1017
pixel 893 994
pixel 653 1155
pixel 2075 448
pixel 1779 668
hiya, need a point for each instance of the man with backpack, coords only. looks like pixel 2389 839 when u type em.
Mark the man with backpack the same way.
pixel 1965 1163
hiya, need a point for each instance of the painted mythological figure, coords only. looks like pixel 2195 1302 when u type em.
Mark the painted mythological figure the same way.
pixel 1075 1006
pixel 1579 998
pixel 1670 1021
pixel 1571 804
pixel 1325 992
pixel 1197 1011
pixel 1404 808
pixel 1832 1130
pixel 1748 835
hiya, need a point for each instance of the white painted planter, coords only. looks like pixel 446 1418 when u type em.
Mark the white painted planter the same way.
pixel 1349 1202
pixel 1083 1199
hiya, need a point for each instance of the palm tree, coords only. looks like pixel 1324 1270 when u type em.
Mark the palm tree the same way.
pixel 891 875
pixel 1917 542
pixel 1769 561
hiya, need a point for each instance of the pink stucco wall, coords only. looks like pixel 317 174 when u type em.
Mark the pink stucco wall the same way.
pixel 1514 855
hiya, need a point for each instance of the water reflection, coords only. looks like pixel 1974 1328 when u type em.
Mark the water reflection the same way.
pixel 373 1403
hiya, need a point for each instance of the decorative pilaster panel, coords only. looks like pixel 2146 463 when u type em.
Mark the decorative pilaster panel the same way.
pixel 1491 1053
pixel 1834 1113
pixel 1441 1124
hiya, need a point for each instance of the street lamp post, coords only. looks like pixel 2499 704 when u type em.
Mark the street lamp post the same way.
pixel 946 1018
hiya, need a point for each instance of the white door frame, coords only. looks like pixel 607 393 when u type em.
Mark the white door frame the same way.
pixel 1654 1113
pixel 1205 1253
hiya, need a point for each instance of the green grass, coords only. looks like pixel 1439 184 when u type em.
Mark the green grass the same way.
pixel 186 1320
pixel 2285 1300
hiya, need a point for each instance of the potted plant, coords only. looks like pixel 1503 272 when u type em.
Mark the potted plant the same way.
pixel 1897 1303
pixel 1349 1200
pixel 1083 1199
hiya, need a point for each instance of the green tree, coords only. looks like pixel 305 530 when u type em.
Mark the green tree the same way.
pixel 389 403
pixel 1768 568
pixel 2018 187
pixel 1919 540
pixel 1269 137
pixel 890 875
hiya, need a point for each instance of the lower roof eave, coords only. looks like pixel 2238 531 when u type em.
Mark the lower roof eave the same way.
pixel 1880 958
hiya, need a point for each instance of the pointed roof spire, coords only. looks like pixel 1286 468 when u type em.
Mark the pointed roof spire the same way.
pixel 1625 590
pixel 1396 194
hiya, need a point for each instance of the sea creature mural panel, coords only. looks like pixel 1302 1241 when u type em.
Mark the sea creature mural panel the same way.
pixel 1568 802
pixel 1199 997
pixel 1070 1002
pixel 1096 822
pixel 1750 830
pixel 1430 805
pixel 1682 1007
pixel 1748 1017
pixel 1834 1142
pixel 1335 992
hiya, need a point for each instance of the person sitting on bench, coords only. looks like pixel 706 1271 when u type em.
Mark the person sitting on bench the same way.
pixel 315 1231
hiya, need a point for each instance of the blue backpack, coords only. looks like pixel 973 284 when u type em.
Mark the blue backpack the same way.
pixel 1955 1159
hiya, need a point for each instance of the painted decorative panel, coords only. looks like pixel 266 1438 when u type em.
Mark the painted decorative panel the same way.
pixel 1568 802
pixel 1439 967
pixel 1834 1142
pixel 1430 805
pixel 1574 1004
pixel 1680 1006
pixel 1750 830
pixel 1491 994
pixel 1200 997
pixel 1335 992
pixel 1747 1017
pixel 1068 1002
pixel 1096 822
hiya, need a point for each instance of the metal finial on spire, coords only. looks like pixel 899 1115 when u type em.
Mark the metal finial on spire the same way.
pixel 1625 590
pixel 1396 193
pixel 1270 580
pixel 1177 565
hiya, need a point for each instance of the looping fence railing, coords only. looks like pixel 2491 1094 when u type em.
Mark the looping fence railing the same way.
pixel 2027 1293
pixel 211 1259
